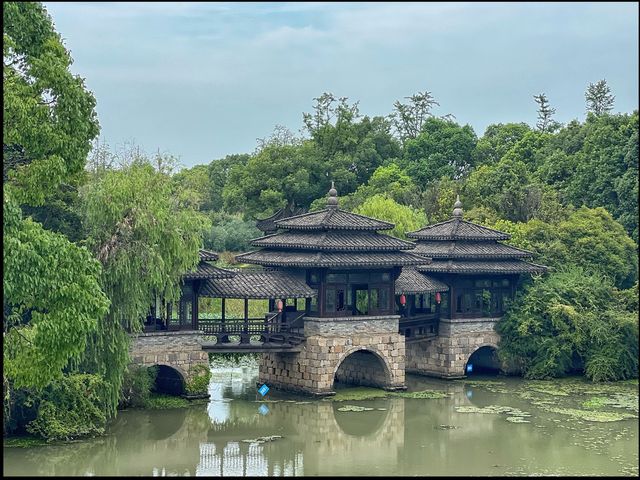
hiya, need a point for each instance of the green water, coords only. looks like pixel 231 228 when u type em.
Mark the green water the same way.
pixel 544 432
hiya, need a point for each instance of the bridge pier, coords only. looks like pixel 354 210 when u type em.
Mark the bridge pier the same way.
pixel 179 350
pixel 446 355
pixel 356 350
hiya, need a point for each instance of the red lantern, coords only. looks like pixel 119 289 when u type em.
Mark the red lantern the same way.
pixel 403 300
pixel 438 298
pixel 280 305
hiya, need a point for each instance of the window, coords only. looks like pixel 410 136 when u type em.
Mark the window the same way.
pixel 340 300
pixel 336 278
pixel 330 299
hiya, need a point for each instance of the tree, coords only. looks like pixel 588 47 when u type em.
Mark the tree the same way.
pixel 599 98
pixel 49 117
pixel 52 300
pixel 545 124
pixel 497 140
pixel 145 237
pixel 406 219
pixel 570 319
pixel 443 149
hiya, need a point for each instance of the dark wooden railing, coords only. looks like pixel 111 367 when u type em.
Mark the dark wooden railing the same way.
pixel 273 328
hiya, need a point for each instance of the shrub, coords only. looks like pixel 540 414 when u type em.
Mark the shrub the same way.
pixel 199 380
pixel 136 386
pixel 71 407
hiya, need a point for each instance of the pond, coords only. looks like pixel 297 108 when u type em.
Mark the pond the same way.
pixel 478 426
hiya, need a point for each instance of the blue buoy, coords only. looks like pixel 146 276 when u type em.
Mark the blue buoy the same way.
pixel 469 368
pixel 263 390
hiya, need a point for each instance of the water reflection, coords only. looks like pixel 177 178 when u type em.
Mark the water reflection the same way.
pixel 313 437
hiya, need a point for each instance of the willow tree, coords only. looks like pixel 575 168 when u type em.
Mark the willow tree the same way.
pixel 146 236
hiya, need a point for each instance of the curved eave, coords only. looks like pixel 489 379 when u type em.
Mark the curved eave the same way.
pixel 462 267
pixel 329 259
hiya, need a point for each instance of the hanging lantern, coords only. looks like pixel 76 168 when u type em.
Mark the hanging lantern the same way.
pixel 438 298
pixel 403 300
pixel 280 305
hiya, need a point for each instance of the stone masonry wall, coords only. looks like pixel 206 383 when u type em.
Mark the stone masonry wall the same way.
pixel 178 350
pixel 446 355
pixel 329 342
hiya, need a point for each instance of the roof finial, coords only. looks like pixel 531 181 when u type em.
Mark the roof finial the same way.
pixel 332 201
pixel 457 208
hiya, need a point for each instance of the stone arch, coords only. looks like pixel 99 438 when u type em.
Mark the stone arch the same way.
pixel 483 359
pixel 362 365
pixel 170 379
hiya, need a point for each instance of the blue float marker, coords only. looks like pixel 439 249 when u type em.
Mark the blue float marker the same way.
pixel 263 409
pixel 263 390
pixel 470 368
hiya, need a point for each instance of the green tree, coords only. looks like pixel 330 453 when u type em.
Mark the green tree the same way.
pixel 49 117
pixel 545 124
pixel 145 237
pixel 443 149
pixel 409 118
pixel 599 98
pixel 406 219
pixel 52 300
pixel 497 140
pixel 567 320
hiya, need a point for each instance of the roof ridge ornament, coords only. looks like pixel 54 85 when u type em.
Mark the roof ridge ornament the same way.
pixel 332 201
pixel 457 208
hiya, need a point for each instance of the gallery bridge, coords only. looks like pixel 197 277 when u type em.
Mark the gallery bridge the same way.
pixel 335 300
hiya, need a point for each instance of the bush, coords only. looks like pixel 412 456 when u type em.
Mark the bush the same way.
pixel 199 380
pixel 570 320
pixel 136 386
pixel 71 407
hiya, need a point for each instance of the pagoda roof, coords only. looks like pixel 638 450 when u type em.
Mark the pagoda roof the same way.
pixel 333 240
pixel 204 270
pixel 458 229
pixel 411 281
pixel 469 249
pixel 284 258
pixel 333 219
pixel 207 255
pixel 487 266
pixel 268 224
pixel 258 285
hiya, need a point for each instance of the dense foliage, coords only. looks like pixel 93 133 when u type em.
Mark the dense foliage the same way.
pixel 571 320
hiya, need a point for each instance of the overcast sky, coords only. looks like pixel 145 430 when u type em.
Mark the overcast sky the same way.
pixel 203 80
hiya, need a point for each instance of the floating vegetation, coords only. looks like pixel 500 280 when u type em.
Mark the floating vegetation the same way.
pixel 369 393
pixel 354 408
pixel 302 403
pixel 515 412
pixel 24 442
pixel 422 394
pixel 358 393
pixel 591 415
pixel 158 401
pixel 260 440
pixel 517 420
pixel 446 427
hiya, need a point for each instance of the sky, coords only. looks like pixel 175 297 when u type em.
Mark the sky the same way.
pixel 205 80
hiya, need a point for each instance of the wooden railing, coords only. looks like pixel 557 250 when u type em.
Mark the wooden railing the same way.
pixel 272 328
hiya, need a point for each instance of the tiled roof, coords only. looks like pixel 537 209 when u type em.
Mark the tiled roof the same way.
pixel 333 218
pixel 330 259
pixel 207 255
pixel 457 229
pixel 204 270
pixel 469 249
pixel 411 281
pixel 496 266
pixel 333 240
pixel 258 285
pixel 268 224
